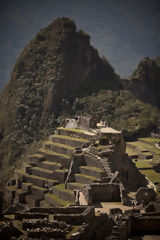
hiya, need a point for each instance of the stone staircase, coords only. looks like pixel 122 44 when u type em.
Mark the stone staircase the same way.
pixel 42 183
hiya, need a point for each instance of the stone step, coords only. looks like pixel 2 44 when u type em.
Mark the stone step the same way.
pixel 75 132
pixel 60 175
pixel 39 181
pixel 26 186
pixel 68 140
pixel 52 156
pixel 44 204
pixel 44 173
pixel 38 191
pixel 93 171
pixel 75 185
pixel 92 161
pixel 55 201
pixel 58 147
pixel 20 195
pixel 49 165
pixel 35 158
pixel 82 178
pixel 32 200
pixel 61 192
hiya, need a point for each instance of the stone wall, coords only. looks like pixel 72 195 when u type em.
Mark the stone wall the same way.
pixel 146 224
pixel 76 219
pixel 102 192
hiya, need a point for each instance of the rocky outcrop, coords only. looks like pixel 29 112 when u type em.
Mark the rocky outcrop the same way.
pixel 57 66
pixel 144 82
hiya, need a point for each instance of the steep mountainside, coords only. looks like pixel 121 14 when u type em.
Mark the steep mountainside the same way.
pixel 58 65
pixel 145 81
pixel 59 74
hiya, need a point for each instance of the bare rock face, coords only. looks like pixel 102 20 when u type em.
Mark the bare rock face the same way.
pixel 144 82
pixel 57 66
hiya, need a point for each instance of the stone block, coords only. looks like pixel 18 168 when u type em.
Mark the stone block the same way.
pixel 64 194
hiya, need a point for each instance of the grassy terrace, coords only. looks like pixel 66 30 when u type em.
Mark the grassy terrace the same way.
pixel 62 187
pixel 144 146
pixel 52 163
pixel 143 164
pixel 42 170
pixel 59 145
pixel 151 140
pixel 61 170
pixel 87 176
pixel 70 138
pixel 37 155
pixel 92 168
pixel 41 178
pixel 152 175
pixel 58 200
pixel 130 151
pixel 50 152
pixel 71 129
pixel 74 230
pixel 39 188
pixel 149 173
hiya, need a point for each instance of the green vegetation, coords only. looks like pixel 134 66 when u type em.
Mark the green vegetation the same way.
pixel 152 175
pixel 149 173
pixel 42 170
pixel 50 152
pixel 39 188
pixel 44 179
pixel 92 168
pixel 52 163
pixel 150 140
pixel 62 187
pixel 130 151
pixel 70 138
pixel 121 110
pixel 76 130
pixel 61 170
pixel 143 164
pixel 87 176
pixel 144 146
pixel 59 145
pixel 60 201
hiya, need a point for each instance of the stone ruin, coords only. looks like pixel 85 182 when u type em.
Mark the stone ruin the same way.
pixel 75 163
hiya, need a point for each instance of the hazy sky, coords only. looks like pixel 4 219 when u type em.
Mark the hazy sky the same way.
pixel 124 31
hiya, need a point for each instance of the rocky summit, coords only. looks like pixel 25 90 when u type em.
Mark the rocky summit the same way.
pixel 59 74
pixel 58 65
pixel 144 82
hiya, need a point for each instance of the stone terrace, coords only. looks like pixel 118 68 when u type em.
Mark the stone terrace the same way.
pixel 42 183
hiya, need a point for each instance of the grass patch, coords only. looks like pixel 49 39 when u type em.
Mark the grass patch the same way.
pixel 143 164
pixel 42 169
pixel 92 168
pixel 152 175
pixel 37 155
pixel 44 179
pixel 58 200
pixel 145 147
pixel 71 129
pixel 86 176
pixel 39 188
pixel 150 140
pixel 74 230
pixel 62 187
pixel 71 138
pixel 50 152
pixel 59 145
pixel 130 151
pixel 61 170
pixel 52 163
